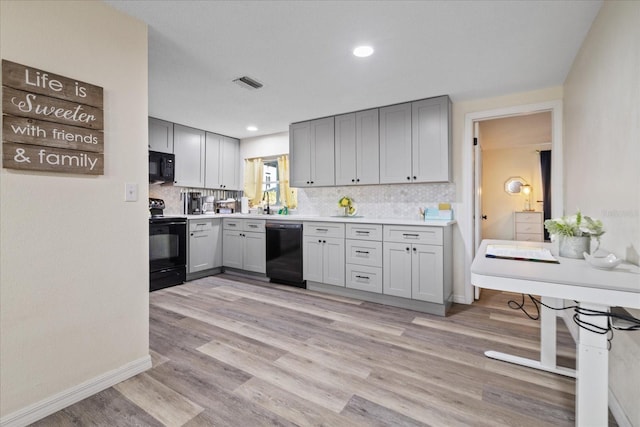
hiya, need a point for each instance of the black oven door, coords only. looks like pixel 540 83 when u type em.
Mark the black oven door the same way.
pixel 167 252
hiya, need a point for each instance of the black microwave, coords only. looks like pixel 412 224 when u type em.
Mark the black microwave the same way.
pixel 161 167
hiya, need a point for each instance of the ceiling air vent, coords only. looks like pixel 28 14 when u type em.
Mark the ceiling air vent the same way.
pixel 248 83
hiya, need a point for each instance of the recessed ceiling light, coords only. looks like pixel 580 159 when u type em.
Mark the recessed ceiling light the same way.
pixel 363 51
pixel 252 128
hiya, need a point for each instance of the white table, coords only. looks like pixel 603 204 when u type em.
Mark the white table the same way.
pixel 571 279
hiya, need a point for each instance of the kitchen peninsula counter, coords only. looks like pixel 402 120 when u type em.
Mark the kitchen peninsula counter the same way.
pixel 340 219
pixel 401 262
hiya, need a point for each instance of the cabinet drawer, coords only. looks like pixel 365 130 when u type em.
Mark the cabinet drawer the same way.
pixel 364 278
pixel 408 234
pixel 525 227
pixel 529 237
pixel 256 225
pixel 529 217
pixel 232 224
pixel 323 229
pixel 362 252
pixel 200 225
pixel 364 231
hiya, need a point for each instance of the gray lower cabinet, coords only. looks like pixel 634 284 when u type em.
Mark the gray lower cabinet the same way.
pixel 204 251
pixel 323 253
pixel 407 266
pixel 414 263
pixel 364 257
pixel 244 242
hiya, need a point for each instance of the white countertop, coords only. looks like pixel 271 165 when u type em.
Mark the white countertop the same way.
pixel 355 219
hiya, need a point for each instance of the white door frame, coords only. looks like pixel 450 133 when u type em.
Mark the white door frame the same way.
pixel 468 190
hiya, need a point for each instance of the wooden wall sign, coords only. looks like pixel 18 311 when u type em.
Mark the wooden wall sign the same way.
pixel 51 122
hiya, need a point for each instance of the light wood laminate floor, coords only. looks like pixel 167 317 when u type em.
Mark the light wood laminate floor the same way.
pixel 231 351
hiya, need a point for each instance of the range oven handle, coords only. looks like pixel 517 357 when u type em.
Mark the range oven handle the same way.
pixel 169 223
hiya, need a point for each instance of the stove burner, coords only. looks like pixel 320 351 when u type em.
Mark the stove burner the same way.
pixel 156 207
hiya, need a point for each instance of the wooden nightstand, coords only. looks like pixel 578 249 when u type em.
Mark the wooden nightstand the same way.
pixel 528 226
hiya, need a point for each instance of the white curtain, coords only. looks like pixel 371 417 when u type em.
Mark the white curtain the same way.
pixel 253 171
pixel 288 196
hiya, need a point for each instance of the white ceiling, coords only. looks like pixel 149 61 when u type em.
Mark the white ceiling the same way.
pixel 516 131
pixel 301 52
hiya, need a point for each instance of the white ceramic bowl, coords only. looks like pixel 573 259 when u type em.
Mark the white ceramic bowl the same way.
pixel 604 263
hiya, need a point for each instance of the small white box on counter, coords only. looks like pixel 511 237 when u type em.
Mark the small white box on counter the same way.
pixel 431 214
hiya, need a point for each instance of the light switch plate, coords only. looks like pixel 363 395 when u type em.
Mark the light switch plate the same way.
pixel 130 192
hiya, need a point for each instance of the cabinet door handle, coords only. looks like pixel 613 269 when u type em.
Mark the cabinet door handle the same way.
pixel 408 178
pixel 324 230
pixel 362 252
pixel 357 179
pixel 415 250
pixel 231 225
pixel 362 277
pixel 319 240
pixel 353 180
pixel 407 249
pixel 414 178
pixel 410 235
pixel 312 182
pixel 324 241
pixel 366 233
pixel 253 226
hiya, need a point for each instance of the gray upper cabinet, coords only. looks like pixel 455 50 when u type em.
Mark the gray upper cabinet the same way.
pixel 431 140
pixel 299 154
pixel 222 162
pixel 160 135
pixel 189 148
pixel 212 162
pixel 395 144
pixel 402 143
pixel 312 151
pixel 415 141
pixel 357 148
pixel 230 163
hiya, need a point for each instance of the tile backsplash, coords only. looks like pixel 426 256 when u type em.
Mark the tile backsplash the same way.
pixel 374 201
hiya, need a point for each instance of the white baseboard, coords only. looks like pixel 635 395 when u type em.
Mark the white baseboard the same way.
pixel 48 406
pixel 460 299
pixel 618 412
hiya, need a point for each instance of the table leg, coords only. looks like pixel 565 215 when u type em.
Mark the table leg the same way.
pixel 592 391
pixel 548 332
pixel 548 351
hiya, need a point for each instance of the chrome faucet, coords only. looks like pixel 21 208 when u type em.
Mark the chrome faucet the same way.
pixel 265 195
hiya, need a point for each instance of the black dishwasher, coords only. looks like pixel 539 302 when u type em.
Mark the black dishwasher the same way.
pixel 284 253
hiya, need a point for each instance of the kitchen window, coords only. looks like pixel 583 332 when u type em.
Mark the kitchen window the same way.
pixel 267 179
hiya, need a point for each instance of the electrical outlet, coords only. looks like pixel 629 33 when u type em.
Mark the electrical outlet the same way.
pixel 130 192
